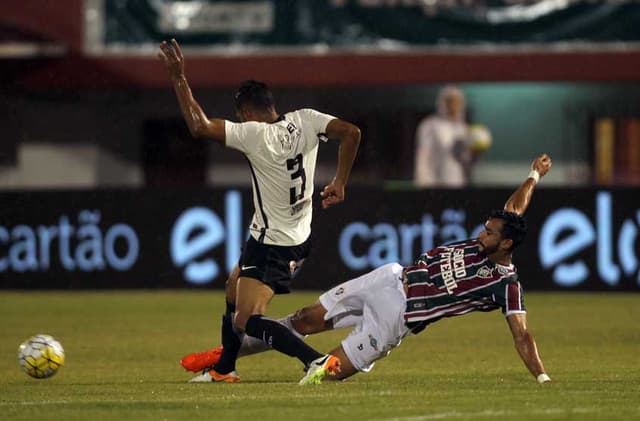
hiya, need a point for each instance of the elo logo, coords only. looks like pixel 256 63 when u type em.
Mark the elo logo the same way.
pixel 568 231
pixel 198 230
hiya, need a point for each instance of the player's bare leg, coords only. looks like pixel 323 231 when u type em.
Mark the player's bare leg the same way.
pixel 231 285
pixel 310 320
pixel 252 298
pixel 346 368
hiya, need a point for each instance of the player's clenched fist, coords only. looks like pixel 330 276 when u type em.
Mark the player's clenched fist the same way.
pixel 332 194
pixel 542 164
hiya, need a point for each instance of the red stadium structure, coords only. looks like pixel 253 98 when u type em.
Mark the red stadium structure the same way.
pixel 51 24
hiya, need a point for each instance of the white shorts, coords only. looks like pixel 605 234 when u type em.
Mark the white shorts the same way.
pixel 374 305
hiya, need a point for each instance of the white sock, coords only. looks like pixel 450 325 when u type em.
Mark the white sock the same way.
pixel 287 322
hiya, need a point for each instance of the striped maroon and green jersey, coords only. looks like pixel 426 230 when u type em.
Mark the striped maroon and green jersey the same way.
pixel 456 279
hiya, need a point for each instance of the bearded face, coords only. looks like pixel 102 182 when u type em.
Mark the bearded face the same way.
pixel 490 239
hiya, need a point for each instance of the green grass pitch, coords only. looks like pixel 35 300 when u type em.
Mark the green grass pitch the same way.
pixel 122 352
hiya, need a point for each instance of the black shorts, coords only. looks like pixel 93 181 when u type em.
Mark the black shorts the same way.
pixel 272 264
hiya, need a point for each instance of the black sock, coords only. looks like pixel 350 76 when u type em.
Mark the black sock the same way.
pixel 231 308
pixel 280 338
pixel 231 345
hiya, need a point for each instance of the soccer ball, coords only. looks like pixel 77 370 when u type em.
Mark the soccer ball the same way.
pixel 41 356
pixel 479 138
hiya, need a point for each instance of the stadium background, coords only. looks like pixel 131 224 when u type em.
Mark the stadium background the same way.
pixel 94 145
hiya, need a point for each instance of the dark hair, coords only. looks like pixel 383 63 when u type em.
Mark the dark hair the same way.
pixel 254 94
pixel 514 226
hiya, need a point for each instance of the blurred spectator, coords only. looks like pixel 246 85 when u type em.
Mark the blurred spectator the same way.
pixel 445 152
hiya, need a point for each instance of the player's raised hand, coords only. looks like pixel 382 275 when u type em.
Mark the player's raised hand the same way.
pixel 172 57
pixel 332 194
pixel 542 164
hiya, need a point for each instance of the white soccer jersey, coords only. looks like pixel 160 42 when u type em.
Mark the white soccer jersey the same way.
pixel 282 156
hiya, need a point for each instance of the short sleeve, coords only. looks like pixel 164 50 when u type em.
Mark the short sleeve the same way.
pixel 242 136
pixel 510 298
pixel 316 119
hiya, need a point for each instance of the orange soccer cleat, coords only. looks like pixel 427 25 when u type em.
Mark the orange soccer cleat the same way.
pixel 198 361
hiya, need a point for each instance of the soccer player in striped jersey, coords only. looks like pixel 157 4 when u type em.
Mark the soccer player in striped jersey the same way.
pixel 281 151
pixel 391 302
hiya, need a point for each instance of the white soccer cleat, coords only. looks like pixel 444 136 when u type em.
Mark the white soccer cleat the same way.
pixel 327 365
pixel 211 376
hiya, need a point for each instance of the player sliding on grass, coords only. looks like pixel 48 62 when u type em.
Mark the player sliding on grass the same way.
pixel 388 303
pixel 281 151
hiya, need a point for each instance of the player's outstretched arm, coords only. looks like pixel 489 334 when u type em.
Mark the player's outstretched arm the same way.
pixel 526 346
pixel 197 121
pixel 349 137
pixel 520 199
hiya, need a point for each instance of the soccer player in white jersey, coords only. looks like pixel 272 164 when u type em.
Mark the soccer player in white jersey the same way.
pixel 282 151
pixel 391 302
